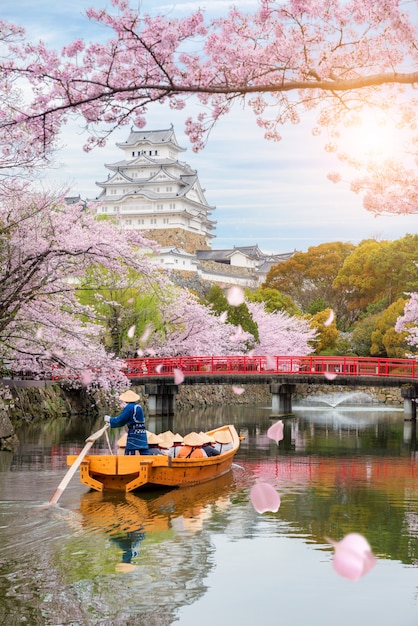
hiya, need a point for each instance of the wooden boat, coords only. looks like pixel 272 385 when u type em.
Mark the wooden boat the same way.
pixel 128 473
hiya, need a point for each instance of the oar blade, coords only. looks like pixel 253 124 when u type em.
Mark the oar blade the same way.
pixel 63 484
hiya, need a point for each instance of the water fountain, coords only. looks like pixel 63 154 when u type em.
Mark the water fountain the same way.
pixel 342 398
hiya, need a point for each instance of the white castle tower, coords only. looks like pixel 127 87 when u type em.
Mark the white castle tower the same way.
pixel 151 190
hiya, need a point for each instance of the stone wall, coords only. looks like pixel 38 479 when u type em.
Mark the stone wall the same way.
pixel 179 238
pixel 201 395
pixel 206 395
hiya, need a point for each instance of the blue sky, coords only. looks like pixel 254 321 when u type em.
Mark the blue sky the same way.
pixel 274 194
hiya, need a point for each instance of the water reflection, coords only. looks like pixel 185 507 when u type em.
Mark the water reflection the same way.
pixel 150 557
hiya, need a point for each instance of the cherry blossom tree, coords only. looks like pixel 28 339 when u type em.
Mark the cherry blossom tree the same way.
pixel 408 322
pixel 46 246
pixel 281 333
pixel 188 328
pixel 336 57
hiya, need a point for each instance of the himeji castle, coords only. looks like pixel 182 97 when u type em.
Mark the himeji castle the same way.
pixel 151 190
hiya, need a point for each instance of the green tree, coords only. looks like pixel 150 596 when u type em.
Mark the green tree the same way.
pixel 124 308
pixel 309 275
pixel 361 336
pixel 327 333
pixel 385 341
pixel 273 300
pixel 236 315
pixel 378 273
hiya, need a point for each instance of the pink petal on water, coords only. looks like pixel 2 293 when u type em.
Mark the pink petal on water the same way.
pixel 353 557
pixel 237 390
pixel 235 296
pixel 330 375
pixel 275 431
pixel 131 331
pixel 159 368
pixel 330 319
pixel 178 376
pixel 264 498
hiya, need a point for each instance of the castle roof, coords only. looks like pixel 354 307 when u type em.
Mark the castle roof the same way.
pixel 152 137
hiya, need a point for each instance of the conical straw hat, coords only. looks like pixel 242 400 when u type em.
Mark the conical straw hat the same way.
pixel 193 439
pixel 154 439
pixel 223 436
pixel 129 396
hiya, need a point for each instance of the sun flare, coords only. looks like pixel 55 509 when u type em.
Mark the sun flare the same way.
pixel 373 136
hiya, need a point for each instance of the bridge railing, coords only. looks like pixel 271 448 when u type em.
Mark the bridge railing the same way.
pixel 328 366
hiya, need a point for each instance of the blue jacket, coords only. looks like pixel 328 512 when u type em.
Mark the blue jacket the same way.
pixel 132 416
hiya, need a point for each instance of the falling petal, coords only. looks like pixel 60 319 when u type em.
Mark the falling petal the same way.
pixel 330 319
pixel 178 376
pixel 140 352
pixel 275 431
pixel 237 390
pixel 264 498
pixel 159 368
pixel 223 316
pixel 353 557
pixel 86 377
pixel 39 333
pixel 130 301
pixel 235 296
pixel 131 331
pixel 270 362
pixel 330 375
pixel 146 334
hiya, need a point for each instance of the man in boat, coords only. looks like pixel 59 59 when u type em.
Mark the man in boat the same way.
pixel 132 416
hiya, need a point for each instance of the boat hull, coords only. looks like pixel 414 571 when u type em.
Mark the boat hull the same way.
pixel 130 473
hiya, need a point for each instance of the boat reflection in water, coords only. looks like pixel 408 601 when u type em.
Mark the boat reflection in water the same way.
pixel 127 518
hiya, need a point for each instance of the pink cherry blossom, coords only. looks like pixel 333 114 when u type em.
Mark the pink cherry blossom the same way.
pixel 275 431
pixel 353 557
pixel 337 56
pixel 264 498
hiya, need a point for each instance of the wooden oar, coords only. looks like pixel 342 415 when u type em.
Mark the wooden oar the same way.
pixel 74 467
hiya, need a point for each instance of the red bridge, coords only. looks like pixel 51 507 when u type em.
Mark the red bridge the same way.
pixel 282 373
pixel 292 367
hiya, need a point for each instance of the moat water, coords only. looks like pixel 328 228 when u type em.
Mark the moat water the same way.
pixel 203 555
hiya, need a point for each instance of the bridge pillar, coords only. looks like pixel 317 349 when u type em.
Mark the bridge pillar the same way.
pixel 161 398
pixel 281 402
pixel 410 398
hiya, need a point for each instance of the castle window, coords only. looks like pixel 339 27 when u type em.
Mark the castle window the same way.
pixel 160 207
pixel 153 221
pixel 169 189
pixel 172 206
